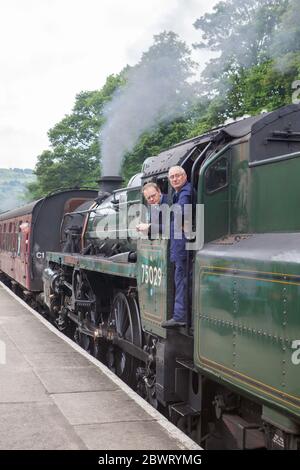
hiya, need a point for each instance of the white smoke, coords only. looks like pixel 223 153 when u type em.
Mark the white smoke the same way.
pixel 286 38
pixel 156 90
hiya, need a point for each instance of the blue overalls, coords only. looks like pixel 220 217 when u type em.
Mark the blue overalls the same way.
pixel 179 256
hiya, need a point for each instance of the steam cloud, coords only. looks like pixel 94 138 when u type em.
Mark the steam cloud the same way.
pixel 286 38
pixel 156 90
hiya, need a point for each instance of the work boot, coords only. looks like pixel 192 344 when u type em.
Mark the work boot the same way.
pixel 172 323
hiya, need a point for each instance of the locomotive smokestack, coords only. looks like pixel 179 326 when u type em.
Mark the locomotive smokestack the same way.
pixel 108 184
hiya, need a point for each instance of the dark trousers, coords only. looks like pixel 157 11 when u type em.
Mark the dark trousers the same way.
pixel 180 278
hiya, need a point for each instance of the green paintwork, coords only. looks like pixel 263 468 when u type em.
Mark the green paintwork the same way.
pixel 153 282
pixel 216 205
pixel 279 420
pixel 264 198
pixel 245 321
pixel 259 199
pixel 114 221
pixel 92 263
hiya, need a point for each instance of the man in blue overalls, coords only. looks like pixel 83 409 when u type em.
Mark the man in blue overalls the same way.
pixel 182 196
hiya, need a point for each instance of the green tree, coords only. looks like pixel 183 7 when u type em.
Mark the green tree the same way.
pixel 73 160
pixel 262 87
pixel 240 33
pixel 153 142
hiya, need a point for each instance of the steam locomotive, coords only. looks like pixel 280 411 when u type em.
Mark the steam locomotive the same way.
pixel 231 377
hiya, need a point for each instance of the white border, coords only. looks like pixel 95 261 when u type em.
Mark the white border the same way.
pixel 171 429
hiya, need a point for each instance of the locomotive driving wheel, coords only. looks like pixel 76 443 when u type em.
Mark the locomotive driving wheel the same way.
pixel 124 322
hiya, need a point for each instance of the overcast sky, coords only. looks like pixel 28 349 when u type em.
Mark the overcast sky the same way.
pixel 53 49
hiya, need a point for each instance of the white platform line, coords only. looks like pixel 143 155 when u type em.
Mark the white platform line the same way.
pixel 171 429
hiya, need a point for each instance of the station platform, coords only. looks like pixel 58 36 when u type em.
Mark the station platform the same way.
pixel 53 395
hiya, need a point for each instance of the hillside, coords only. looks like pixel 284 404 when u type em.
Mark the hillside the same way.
pixel 13 183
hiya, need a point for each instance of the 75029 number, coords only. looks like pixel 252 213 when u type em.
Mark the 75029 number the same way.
pixel 151 275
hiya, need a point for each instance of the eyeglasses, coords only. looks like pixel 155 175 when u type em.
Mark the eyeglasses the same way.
pixel 176 175
pixel 152 196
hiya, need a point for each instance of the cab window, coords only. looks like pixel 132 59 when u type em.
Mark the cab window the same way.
pixel 216 176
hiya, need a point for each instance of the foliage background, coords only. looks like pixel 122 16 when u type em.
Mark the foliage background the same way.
pixel 13 184
pixel 257 58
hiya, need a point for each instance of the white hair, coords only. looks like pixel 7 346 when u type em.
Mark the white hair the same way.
pixel 179 169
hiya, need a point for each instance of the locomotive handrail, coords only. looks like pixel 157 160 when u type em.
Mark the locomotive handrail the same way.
pixel 126 188
pixel 79 212
pixel 134 201
pixel 280 158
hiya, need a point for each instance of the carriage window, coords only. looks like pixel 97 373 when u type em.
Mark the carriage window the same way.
pixel 216 176
pixel 19 239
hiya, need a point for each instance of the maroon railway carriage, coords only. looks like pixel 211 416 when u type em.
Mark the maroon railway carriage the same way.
pixel 27 233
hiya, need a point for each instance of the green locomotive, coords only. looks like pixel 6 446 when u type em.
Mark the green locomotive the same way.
pixel 231 378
